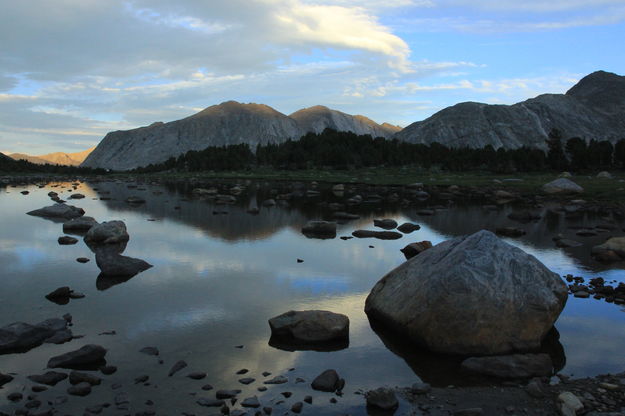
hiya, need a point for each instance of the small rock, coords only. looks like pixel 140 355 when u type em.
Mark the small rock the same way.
pixel 196 375
pixel 382 398
pixel 81 389
pixel 177 367
pixel 328 381
pixel 251 402
pixel 67 240
pixel 277 380
pixel 149 350
pixel 227 394
pixel 297 407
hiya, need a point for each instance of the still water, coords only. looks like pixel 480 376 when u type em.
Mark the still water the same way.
pixel 220 273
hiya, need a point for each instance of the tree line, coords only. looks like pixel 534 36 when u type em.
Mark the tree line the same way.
pixel 346 150
pixel 8 165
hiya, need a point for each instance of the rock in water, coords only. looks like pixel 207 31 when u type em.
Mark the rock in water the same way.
pixel 328 381
pixel 86 356
pixel 382 398
pixel 21 337
pixel 109 232
pixel 310 326
pixel 81 224
pixel 319 229
pixel 562 186
pixel 510 366
pixel 112 264
pixel 58 211
pixel 473 295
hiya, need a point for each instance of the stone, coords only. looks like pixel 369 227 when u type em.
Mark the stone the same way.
pixel 76 196
pixel 414 249
pixel 470 295
pixel 112 264
pixel 210 402
pixel 60 294
pixel 179 365
pixel 408 227
pixel 196 375
pixel 5 378
pixel 312 326
pixel 61 211
pixel 297 407
pixel 277 380
pixel 81 389
pixel 227 394
pixel 382 235
pixel 615 244
pixel 247 380
pixel 562 186
pixel 76 377
pixel 60 337
pixel 319 229
pixel 109 232
pixel 83 260
pixel 510 366
pixel 387 224
pixel 382 398
pixel 21 337
pixel 569 403
pixel 67 240
pixel 604 175
pixel 251 402
pixel 149 350
pixel 80 224
pixel 87 355
pixel 535 388
pixel 51 378
pixel 328 381
pixel 420 388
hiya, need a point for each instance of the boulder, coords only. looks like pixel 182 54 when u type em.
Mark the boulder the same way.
pixel 51 378
pixel 109 232
pixel 615 244
pixel 328 381
pixel 21 337
pixel 510 366
pixel 387 224
pixel 408 227
pixel 312 326
pixel 473 295
pixel 80 224
pixel 84 357
pixel 112 264
pixel 319 229
pixel 413 249
pixel 58 211
pixel 562 186
pixel 381 235
pixel 604 175
pixel 382 398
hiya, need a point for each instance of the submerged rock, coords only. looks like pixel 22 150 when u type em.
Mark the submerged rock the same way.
pixel 87 356
pixel 51 378
pixel 470 295
pixel 510 366
pixel 4 379
pixel 112 264
pixel 310 326
pixel 382 398
pixel 58 211
pixel 381 235
pixel 319 229
pixel 21 337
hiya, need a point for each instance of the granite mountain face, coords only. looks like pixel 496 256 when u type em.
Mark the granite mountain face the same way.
pixel 224 124
pixel 593 109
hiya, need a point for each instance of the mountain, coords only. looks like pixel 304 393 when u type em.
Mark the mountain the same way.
pixel 593 109
pixel 5 158
pixel 318 118
pixel 58 158
pixel 224 124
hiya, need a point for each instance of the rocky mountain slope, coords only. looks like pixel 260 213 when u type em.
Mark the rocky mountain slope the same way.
pixel 593 109
pixel 57 158
pixel 224 124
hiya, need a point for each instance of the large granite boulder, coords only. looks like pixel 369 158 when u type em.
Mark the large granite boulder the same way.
pixel 310 326
pixel 109 232
pixel 473 295
pixel 562 186
pixel 60 211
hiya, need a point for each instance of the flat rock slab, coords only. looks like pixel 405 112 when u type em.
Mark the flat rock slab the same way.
pixel 21 337
pixel 61 211
pixel 312 326
pixel 381 235
pixel 562 186
pixel 86 356
pixel 510 366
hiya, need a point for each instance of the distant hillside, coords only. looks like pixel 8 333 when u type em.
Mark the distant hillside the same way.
pixel 228 123
pixel 592 109
pixel 58 158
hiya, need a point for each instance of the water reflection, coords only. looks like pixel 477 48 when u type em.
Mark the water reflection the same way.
pixel 217 278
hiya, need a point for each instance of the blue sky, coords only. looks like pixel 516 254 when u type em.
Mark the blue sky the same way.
pixel 73 70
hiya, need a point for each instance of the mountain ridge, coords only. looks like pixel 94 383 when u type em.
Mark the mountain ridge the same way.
pixel 56 158
pixel 223 124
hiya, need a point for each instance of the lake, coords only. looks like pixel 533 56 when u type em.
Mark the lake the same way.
pixel 220 273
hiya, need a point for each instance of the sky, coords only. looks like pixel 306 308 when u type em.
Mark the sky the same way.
pixel 73 70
